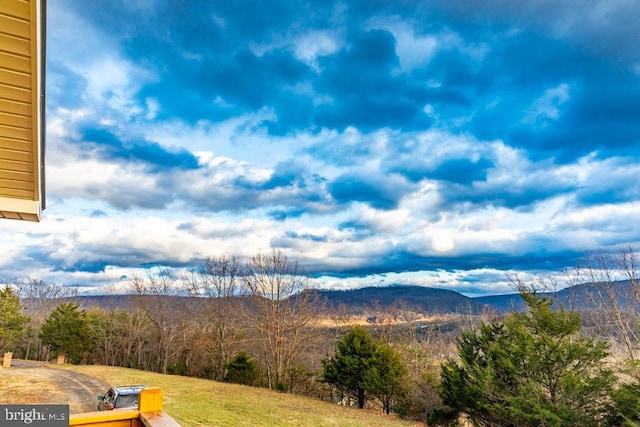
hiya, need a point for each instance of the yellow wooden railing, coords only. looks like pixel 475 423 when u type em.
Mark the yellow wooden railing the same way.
pixel 148 414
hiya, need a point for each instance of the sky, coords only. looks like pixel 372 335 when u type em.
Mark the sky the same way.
pixel 445 144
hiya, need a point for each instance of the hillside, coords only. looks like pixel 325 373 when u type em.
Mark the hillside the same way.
pixel 419 299
pixel 196 402
pixel 356 301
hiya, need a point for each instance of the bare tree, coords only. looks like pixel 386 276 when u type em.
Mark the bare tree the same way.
pixel 157 298
pixel 216 286
pixel 137 333
pixel 610 282
pixel 38 299
pixel 341 316
pixel 384 320
pixel 284 311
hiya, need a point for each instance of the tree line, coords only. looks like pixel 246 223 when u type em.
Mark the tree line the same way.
pixel 258 323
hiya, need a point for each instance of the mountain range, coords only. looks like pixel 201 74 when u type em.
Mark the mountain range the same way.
pixel 427 300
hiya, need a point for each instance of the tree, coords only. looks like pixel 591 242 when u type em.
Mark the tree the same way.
pixel 283 310
pixel 626 407
pixel 67 331
pixel 216 286
pixel 241 370
pixel 156 298
pixel 347 369
pixel 531 369
pixel 38 299
pixel 386 378
pixel 362 367
pixel 612 286
pixel 12 322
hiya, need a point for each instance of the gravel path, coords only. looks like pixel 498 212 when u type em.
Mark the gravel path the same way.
pixel 34 382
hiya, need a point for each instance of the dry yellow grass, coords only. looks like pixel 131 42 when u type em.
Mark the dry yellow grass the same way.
pixel 27 390
pixel 195 402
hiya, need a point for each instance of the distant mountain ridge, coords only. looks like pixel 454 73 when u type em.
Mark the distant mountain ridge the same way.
pixel 415 298
pixel 580 297
pixel 421 299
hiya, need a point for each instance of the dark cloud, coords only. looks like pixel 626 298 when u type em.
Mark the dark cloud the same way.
pixel 461 171
pixel 47 256
pixel 358 230
pixel 151 153
pixel 97 256
pixel 379 192
pixel 517 197
pixel 601 27
pixel 283 214
pixel 250 80
pixel 84 266
pixel 318 238
pixel 129 194
pixel 290 191
pixel 209 71
pixel 403 261
pixel 456 171
pixel 366 90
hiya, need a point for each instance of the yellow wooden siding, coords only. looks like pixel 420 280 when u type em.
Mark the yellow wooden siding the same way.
pixel 15 45
pixel 15 120
pixel 16 155
pixel 15 79
pixel 14 26
pixel 13 93
pixel 16 8
pixel 21 84
pixel 16 133
pixel 15 107
pixel 15 62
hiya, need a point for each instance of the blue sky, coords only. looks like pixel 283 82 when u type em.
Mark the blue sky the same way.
pixel 446 144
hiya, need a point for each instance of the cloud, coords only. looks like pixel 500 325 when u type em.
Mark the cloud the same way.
pixel 437 143
pixel 152 153
pixel 378 192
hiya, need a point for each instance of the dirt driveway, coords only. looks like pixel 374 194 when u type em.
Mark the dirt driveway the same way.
pixel 34 382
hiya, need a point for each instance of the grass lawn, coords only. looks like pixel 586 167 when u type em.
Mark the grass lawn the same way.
pixel 195 402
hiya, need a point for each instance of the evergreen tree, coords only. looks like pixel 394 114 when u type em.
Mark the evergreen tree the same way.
pixel 362 367
pixel 531 369
pixel 67 330
pixel 241 370
pixel 626 405
pixel 386 378
pixel 12 322
pixel 346 370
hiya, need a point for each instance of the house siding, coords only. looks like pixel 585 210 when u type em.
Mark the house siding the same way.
pixel 21 109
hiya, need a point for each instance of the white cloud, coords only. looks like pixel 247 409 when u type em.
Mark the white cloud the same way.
pixel 308 46
pixel 547 107
pixel 413 50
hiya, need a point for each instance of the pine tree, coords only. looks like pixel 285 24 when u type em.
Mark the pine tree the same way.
pixel 531 369
pixel 386 378
pixel 241 370
pixel 12 322
pixel 362 368
pixel 67 330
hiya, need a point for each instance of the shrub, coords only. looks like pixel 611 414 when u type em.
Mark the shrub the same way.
pixel 241 370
